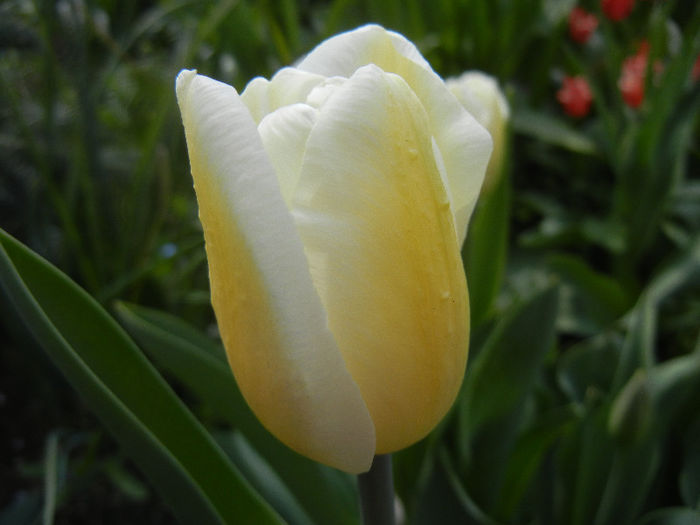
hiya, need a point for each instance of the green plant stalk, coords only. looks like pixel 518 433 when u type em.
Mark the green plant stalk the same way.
pixel 377 492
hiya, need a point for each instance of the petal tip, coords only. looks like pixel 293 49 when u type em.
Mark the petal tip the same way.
pixel 183 80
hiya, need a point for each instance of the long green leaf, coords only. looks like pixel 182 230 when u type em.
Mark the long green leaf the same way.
pixel 506 367
pixel 263 477
pixel 486 249
pixel 327 495
pixel 496 389
pixel 116 381
pixel 672 516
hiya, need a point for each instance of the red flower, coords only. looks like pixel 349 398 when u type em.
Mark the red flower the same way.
pixel 633 75
pixel 632 89
pixel 616 10
pixel 575 96
pixel 582 24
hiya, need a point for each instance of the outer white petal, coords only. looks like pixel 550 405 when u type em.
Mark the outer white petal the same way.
pixel 272 323
pixel 379 234
pixel 342 54
pixel 288 86
pixel 481 95
pixel 464 144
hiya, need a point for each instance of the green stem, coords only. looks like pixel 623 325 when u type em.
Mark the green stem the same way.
pixel 377 492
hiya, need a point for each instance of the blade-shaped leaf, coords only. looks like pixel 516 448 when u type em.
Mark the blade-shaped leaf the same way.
pixel 263 477
pixel 326 494
pixel 579 370
pixel 133 401
pixel 496 390
pixel 486 247
pixel 505 369
pixel 672 516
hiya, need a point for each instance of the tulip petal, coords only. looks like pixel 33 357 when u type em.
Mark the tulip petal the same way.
pixel 376 224
pixel 464 144
pixel 288 86
pixel 342 54
pixel 482 97
pixel 284 133
pixel 272 322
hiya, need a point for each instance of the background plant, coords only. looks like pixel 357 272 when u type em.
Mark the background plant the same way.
pixel 580 403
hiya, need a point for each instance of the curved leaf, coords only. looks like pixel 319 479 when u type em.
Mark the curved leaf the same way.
pixel 133 401
pixel 327 495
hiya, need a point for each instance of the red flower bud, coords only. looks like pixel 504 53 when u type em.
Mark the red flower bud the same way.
pixel 575 96
pixel 582 24
pixel 617 10
pixel 632 89
pixel 633 75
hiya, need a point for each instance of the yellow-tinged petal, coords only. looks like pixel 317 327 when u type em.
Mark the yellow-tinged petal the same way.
pixel 271 319
pixel 464 144
pixel 376 224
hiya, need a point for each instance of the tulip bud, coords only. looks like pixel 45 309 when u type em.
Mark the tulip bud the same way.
pixel 575 96
pixel 582 25
pixel 334 200
pixel 617 10
pixel 481 95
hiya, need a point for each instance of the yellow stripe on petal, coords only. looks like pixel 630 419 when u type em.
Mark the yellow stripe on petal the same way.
pixel 377 227
pixel 271 320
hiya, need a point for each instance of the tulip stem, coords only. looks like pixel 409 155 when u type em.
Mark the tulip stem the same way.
pixel 377 492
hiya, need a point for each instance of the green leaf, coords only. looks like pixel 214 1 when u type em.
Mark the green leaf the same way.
pixel 528 454
pixel 193 359
pixel 672 516
pixel 637 352
pixel 133 401
pixel 638 348
pixel 628 482
pixel 24 509
pixel 583 463
pixel 551 130
pixel 326 494
pixel 631 410
pixel 442 498
pixel 486 249
pixel 590 301
pixel 689 481
pixel 496 388
pixel 263 477
pixel 587 368
pixel 675 386
pixel 505 369
pixel 50 478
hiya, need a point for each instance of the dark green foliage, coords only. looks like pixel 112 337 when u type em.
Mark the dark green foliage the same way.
pixel 581 403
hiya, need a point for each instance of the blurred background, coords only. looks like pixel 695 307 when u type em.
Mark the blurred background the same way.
pixel 582 398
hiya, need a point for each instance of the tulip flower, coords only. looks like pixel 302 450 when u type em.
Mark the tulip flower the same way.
pixel 334 200
pixel 481 95
pixel 633 75
pixel 575 96
pixel 631 86
pixel 582 25
pixel 617 10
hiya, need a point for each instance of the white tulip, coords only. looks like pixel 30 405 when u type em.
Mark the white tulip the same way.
pixel 334 200
pixel 481 95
